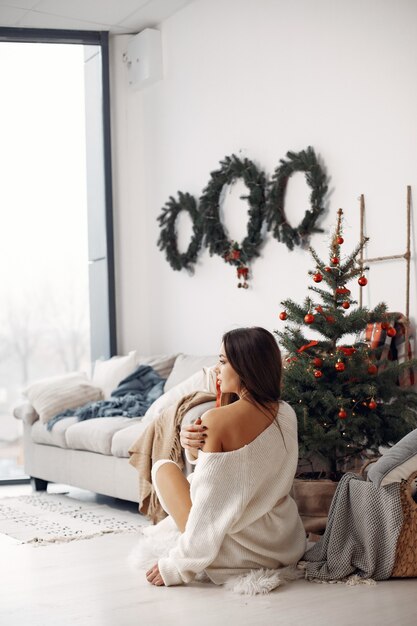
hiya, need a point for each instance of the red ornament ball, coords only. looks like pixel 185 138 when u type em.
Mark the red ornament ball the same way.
pixel 363 281
pixel 342 414
pixel 283 315
pixel 317 362
pixel 391 332
pixel 340 366
pixel 318 373
pixel 346 304
pixel 372 369
pixel 335 260
pixel 327 269
pixel 372 405
pixel 319 309
pixel 317 277
pixel 340 240
pixel 330 319
pixel 309 318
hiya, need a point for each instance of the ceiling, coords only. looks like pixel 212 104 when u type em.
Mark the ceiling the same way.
pixel 116 16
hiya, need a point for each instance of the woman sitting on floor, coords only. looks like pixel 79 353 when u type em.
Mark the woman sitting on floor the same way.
pixel 237 514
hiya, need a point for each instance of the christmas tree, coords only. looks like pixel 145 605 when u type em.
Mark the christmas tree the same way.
pixel 347 399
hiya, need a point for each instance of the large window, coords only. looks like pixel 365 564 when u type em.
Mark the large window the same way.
pixel 56 251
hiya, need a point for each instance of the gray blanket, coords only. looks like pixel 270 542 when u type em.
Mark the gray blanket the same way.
pixel 132 398
pixel 361 533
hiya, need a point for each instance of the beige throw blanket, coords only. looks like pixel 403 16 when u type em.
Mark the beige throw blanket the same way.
pixel 161 440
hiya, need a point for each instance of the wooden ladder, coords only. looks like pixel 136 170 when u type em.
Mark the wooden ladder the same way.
pixel 406 255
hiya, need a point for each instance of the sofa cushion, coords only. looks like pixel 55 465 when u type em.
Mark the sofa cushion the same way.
pixel 203 380
pixel 54 437
pixel 51 396
pixel 396 463
pixel 185 366
pixel 125 438
pixel 96 434
pixel 108 374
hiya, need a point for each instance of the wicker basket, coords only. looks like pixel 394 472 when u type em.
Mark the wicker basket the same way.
pixel 405 565
pixel 364 467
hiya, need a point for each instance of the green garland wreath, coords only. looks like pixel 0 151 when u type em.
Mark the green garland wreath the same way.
pixel 233 168
pixel 304 161
pixel 168 237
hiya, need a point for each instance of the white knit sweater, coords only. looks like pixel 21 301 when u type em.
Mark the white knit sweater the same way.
pixel 242 516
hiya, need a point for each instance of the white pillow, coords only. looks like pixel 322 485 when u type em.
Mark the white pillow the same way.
pixel 108 374
pixel 402 472
pixel 51 396
pixel 185 365
pixel 203 380
pixel 397 463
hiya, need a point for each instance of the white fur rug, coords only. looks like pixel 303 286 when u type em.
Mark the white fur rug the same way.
pixel 45 519
pixel 156 541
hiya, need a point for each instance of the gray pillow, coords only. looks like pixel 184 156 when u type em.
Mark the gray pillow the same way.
pixel 397 463
pixel 161 363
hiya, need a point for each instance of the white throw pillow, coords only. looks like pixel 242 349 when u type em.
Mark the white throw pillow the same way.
pixel 397 463
pixel 203 380
pixel 402 472
pixel 185 366
pixel 108 374
pixel 51 396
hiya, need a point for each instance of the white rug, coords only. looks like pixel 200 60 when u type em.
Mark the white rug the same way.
pixel 44 519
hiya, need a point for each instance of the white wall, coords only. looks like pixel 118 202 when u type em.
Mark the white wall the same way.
pixel 259 79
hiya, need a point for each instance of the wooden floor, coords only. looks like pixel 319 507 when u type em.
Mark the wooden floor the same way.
pixel 89 583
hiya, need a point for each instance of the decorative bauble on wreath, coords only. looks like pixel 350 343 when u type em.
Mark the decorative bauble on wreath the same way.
pixel 304 161
pixel 168 237
pixel 237 254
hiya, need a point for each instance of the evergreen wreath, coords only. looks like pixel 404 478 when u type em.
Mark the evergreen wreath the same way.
pixel 304 161
pixel 233 168
pixel 168 237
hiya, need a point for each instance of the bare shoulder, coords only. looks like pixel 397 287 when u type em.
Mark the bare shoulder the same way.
pixel 215 420
pixel 233 426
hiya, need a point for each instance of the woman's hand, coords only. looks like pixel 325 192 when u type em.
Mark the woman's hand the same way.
pixel 154 577
pixel 192 437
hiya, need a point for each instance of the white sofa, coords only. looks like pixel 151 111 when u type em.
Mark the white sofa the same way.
pixel 93 454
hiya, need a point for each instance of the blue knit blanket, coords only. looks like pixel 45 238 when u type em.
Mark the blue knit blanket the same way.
pixel 132 398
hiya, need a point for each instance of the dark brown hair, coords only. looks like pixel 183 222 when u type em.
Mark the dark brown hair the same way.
pixel 255 356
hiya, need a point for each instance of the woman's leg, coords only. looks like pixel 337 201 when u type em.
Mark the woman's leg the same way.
pixel 173 491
